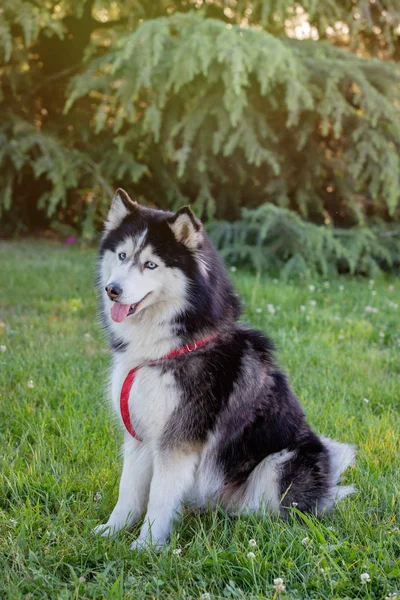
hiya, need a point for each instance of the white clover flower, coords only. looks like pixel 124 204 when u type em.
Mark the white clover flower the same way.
pixel 3 348
pixel 252 543
pixel 337 318
pixel 306 541
pixel 366 400
pixel 251 555
pixel 13 521
pixel 271 308
pixel 278 584
pixel 341 288
pixel 30 384
pixel 177 551
pixel 295 504
pixel 371 309
pixel 205 596
pixel 97 497
pixel 233 269
pixel 258 310
pixel 302 308
pixel 373 292
pixel 371 282
pixel 321 570
pixel 381 334
pixel 311 288
pixel 326 284
pixel 391 596
pixel 390 303
pixel 365 578
pixel 313 302
pixel 341 336
pixel 82 579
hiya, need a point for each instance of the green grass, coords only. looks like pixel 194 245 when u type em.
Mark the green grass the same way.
pixel 59 447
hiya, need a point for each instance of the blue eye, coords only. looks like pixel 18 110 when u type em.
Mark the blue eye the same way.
pixel 150 265
pixel 122 256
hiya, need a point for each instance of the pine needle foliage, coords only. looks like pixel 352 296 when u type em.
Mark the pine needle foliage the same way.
pixel 306 125
pixel 221 104
pixel 273 239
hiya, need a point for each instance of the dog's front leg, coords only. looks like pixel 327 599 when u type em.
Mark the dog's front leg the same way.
pixel 133 488
pixel 173 477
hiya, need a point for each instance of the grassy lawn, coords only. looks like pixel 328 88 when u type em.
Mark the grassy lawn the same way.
pixel 59 446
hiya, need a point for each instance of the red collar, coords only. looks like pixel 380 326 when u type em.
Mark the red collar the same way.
pixel 130 378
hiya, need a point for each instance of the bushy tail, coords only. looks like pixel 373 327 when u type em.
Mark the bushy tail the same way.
pixel 341 456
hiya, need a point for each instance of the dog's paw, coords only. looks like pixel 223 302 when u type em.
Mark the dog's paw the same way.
pixel 140 544
pixel 105 530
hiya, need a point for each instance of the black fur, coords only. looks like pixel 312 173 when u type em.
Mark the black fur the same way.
pixel 253 428
pixel 232 387
pixel 117 344
pixel 213 302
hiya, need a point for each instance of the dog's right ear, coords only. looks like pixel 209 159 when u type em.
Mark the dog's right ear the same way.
pixel 121 206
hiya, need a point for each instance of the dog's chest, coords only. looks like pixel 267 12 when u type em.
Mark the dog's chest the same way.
pixel 152 398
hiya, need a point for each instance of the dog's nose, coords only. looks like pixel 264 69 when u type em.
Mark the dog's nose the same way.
pixel 114 290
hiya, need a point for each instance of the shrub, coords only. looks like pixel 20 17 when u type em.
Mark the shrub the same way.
pixel 278 240
pixel 225 116
pixel 215 104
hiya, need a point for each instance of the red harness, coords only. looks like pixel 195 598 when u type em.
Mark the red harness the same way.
pixel 130 378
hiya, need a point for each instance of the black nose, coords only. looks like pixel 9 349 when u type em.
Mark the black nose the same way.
pixel 114 291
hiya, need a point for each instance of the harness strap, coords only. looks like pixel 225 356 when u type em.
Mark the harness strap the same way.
pixel 130 378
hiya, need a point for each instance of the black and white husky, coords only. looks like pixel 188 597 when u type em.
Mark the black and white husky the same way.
pixel 208 417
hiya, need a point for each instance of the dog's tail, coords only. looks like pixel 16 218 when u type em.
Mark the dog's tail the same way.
pixel 341 457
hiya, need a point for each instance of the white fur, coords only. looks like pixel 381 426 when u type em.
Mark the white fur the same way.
pixel 132 499
pixel 341 455
pixel 209 480
pixel 158 479
pixel 173 475
pixel 262 490
pixel 153 395
pixel 203 265
pixel 117 213
pixel 185 231
pixel 181 475
pixel 148 331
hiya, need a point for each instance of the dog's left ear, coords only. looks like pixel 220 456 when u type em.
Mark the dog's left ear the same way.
pixel 187 228
pixel 121 206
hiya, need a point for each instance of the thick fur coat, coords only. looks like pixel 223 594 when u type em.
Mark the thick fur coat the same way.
pixel 219 425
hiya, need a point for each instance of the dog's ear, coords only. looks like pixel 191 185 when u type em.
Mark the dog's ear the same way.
pixel 187 228
pixel 121 206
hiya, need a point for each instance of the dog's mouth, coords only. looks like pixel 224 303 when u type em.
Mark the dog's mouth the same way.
pixel 119 312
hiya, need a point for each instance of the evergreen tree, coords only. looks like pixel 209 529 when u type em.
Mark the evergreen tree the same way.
pixel 223 104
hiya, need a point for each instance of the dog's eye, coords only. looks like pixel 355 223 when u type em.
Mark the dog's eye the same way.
pixel 150 265
pixel 122 256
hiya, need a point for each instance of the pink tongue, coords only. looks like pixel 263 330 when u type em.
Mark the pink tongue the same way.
pixel 119 311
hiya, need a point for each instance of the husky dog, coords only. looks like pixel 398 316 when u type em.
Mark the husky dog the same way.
pixel 208 417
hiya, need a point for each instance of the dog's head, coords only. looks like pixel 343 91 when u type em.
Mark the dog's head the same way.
pixel 148 258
